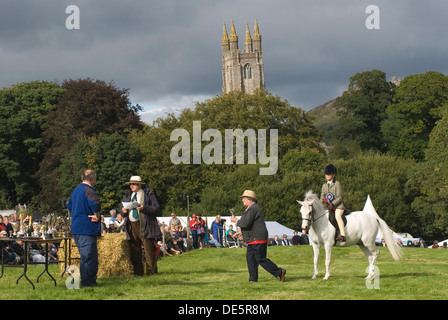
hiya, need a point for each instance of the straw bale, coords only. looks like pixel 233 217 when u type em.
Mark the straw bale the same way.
pixel 113 256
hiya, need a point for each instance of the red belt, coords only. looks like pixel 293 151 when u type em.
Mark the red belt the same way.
pixel 258 241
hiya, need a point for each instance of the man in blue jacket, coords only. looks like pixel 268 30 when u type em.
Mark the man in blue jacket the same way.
pixel 85 206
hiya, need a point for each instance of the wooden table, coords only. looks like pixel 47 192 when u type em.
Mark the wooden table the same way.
pixel 26 242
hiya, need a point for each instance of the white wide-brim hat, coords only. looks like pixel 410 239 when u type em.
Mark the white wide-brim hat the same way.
pixel 135 179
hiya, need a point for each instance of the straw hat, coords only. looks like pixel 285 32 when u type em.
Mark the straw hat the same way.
pixel 249 194
pixel 135 179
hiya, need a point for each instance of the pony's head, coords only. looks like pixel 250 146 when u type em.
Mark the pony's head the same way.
pixel 307 209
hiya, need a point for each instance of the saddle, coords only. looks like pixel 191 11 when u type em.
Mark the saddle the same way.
pixel 332 219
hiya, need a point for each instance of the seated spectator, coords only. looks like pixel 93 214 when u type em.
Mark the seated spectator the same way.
pixel 53 254
pixel 285 241
pixel 119 223
pixel 435 245
pixel 217 229
pixel 422 243
pixel 213 241
pixel 171 244
pixel 305 238
pixel 296 240
pixel 276 241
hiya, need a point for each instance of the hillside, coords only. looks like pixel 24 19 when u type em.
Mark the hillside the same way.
pixel 326 119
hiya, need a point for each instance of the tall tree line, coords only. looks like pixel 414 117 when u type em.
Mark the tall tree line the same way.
pixel 391 144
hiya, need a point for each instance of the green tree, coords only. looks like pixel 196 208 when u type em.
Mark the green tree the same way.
pixel 429 180
pixel 384 178
pixel 362 110
pixel 23 118
pixel 418 102
pixel 114 160
pixel 86 109
pixel 234 110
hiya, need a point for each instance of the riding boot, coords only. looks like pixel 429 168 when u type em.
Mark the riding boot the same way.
pixel 338 215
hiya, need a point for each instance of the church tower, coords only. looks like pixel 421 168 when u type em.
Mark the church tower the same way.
pixel 242 70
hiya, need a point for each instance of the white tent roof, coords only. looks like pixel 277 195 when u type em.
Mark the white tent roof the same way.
pixel 277 229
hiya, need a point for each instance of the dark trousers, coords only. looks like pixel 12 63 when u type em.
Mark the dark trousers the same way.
pixel 256 255
pixel 88 250
pixel 136 243
pixel 194 236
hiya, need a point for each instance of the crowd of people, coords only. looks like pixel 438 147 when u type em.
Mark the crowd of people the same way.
pixel 177 239
pixel 13 252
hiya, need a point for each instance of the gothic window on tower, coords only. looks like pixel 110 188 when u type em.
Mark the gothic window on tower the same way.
pixel 247 71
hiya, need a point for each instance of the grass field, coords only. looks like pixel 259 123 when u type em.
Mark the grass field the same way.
pixel 214 274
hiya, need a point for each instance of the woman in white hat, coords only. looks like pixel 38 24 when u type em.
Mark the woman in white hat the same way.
pixel 141 225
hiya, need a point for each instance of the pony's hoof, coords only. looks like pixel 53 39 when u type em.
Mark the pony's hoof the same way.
pixel 326 277
pixel 314 277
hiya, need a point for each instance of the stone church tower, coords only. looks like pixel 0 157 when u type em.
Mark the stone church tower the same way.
pixel 242 70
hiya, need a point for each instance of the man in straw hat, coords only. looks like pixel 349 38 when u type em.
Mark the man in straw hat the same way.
pixel 255 235
pixel 141 225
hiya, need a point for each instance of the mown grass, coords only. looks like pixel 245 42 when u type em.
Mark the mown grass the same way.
pixel 215 274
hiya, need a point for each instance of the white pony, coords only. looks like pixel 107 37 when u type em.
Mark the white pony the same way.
pixel 361 229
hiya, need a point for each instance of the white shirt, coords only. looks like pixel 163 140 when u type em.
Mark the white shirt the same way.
pixel 139 200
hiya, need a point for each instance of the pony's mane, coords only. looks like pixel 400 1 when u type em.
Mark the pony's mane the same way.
pixel 310 195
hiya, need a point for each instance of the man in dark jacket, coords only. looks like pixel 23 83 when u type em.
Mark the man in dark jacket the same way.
pixel 85 206
pixel 255 235
pixel 141 225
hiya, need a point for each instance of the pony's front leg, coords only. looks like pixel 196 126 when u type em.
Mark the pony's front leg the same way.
pixel 328 249
pixel 316 249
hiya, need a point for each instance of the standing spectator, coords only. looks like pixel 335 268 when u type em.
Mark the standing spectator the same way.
pixel 201 227
pixel 255 236
pixel 174 220
pixel 85 206
pixel 141 226
pixel 193 231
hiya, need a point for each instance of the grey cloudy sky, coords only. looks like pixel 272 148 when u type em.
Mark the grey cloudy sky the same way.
pixel 168 52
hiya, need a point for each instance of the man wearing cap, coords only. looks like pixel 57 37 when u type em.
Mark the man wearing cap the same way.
pixel 255 235
pixel 141 225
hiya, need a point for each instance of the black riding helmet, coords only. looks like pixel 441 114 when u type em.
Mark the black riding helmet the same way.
pixel 330 169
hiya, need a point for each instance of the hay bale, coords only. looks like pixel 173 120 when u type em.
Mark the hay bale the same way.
pixel 113 256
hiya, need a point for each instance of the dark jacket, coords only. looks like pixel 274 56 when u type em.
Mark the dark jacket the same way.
pixel 252 224
pixel 84 202
pixel 149 226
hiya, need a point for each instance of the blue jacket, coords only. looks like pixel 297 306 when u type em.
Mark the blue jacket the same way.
pixel 84 202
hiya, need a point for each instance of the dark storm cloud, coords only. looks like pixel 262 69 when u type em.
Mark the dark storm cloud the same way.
pixel 168 53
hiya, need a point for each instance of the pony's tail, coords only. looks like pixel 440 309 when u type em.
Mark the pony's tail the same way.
pixel 394 248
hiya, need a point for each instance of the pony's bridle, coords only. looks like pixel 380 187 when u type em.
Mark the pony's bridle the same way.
pixel 311 219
